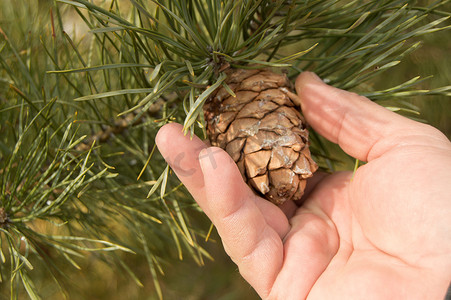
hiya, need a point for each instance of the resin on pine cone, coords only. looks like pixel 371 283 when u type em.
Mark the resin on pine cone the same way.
pixel 263 131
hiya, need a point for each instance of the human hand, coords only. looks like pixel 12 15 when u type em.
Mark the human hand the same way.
pixel 383 234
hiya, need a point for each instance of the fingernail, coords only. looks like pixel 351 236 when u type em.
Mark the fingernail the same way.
pixel 208 159
pixel 201 157
pixel 304 80
pixel 314 77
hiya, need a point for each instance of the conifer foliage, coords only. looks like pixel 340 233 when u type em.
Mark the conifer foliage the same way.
pixel 80 176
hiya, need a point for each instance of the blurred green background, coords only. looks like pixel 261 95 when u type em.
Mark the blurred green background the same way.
pixel 27 21
pixel 433 58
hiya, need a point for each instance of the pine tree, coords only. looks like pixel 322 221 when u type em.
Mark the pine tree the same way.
pixel 79 169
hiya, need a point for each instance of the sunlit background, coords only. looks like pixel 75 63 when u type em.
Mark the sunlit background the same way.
pixel 27 21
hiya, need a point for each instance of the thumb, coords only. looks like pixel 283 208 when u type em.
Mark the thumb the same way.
pixel 362 128
pixel 252 244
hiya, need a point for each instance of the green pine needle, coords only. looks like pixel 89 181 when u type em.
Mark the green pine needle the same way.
pixel 80 109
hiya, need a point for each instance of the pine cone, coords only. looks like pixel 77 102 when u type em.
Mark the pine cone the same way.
pixel 264 133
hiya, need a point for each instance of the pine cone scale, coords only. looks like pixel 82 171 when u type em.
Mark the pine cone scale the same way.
pixel 256 163
pixel 234 148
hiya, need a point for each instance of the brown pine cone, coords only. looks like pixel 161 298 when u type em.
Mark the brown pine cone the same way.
pixel 264 133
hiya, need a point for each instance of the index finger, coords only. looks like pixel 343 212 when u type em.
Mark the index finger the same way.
pixel 362 128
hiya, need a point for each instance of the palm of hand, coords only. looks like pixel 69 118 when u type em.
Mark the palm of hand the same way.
pixel 355 239
pixel 384 233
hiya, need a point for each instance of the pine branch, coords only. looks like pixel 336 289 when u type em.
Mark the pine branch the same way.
pixel 76 108
pixel 40 181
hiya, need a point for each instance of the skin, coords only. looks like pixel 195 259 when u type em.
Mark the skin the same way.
pixel 383 234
